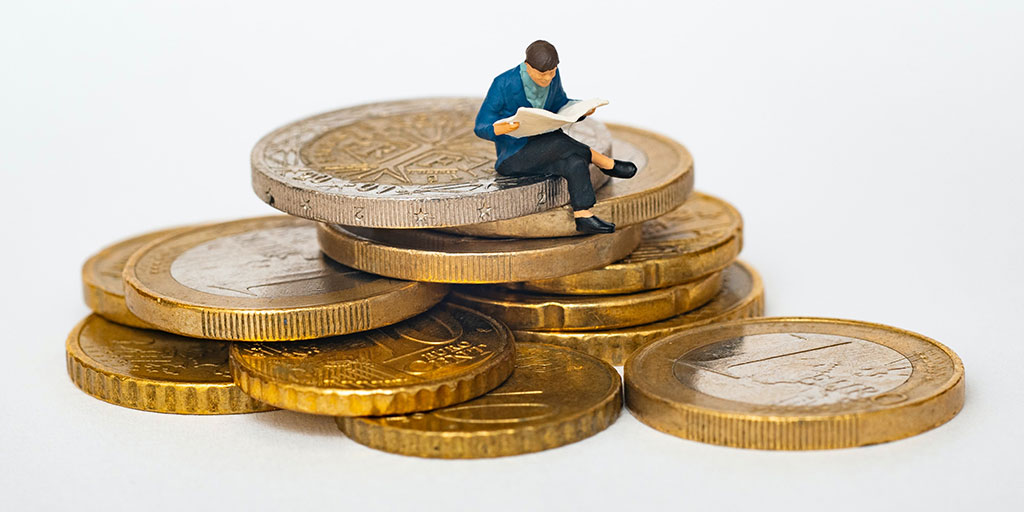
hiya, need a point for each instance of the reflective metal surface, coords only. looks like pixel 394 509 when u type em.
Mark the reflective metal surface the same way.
pixel 794 383
pixel 663 181
pixel 444 356
pixel 401 164
pixel 554 397
pixel 741 296
pixel 102 284
pixel 702 236
pixel 154 371
pixel 545 312
pixel 262 279
pixel 434 256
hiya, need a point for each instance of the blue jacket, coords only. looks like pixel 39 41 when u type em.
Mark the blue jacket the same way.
pixel 504 97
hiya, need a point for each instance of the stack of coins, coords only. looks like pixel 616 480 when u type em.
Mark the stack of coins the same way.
pixel 437 309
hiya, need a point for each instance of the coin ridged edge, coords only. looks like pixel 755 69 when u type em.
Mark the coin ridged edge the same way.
pixel 110 305
pixel 153 395
pixel 391 212
pixel 464 268
pixel 616 353
pixel 811 432
pixel 476 445
pixel 398 400
pixel 624 211
pixel 652 273
pixel 272 324
pixel 567 313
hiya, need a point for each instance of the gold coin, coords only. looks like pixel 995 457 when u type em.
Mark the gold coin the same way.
pixel 556 396
pixel 701 237
pixel 741 296
pixel 433 256
pixel 444 356
pixel 529 311
pixel 102 284
pixel 402 164
pixel 794 384
pixel 154 371
pixel 262 279
pixel 663 180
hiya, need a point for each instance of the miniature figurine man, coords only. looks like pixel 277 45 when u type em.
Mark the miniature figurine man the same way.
pixel 536 83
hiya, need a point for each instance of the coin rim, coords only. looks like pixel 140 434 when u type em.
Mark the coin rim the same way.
pixel 789 429
pixel 623 210
pixel 548 312
pixel 392 212
pixel 188 316
pixel 368 255
pixel 504 442
pixel 616 345
pixel 403 399
pixel 108 303
pixel 632 277
pixel 100 382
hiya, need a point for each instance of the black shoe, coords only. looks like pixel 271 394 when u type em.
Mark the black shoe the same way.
pixel 611 225
pixel 621 169
pixel 593 225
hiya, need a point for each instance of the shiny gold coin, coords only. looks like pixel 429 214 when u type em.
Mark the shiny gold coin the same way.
pixel 101 279
pixel 433 256
pixel 794 384
pixel 663 180
pixel 529 311
pixel 154 371
pixel 447 355
pixel 556 396
pixel 262 279
pixel 741 296
pixel 701 237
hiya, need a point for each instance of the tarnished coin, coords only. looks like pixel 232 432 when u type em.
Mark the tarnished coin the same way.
pixel 702 236
pixel 741 296
pixel 262 279
pixel 556 396
pixel 447 355
pixel 433 256
pixel 401 164
pixel 530 311
pixel 101 279
pixel 663 180
pixel 154 371
pixel 794 384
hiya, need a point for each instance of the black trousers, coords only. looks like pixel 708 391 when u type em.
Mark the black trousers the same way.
pixel 555 153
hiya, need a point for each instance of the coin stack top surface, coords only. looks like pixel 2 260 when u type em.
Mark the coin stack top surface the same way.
pixel 400 164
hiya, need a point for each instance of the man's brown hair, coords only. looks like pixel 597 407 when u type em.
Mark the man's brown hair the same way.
pixel 541 55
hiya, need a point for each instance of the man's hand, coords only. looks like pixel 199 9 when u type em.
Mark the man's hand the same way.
pixel 590 112
pixel 503 128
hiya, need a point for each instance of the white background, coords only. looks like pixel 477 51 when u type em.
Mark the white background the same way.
pixel 875 149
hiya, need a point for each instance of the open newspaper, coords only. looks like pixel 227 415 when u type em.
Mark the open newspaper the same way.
pixel 535 121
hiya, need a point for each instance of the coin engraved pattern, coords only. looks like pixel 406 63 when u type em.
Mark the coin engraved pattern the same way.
pixel 555 396
pixel 154 371
pixel 794 383
pixel 793 369
pixel 414 163
pixel 262 279
pixel 264 263
pixel 445 355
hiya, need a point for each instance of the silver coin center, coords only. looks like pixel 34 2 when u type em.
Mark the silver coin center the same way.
pixel 264 263
pixel 793 369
